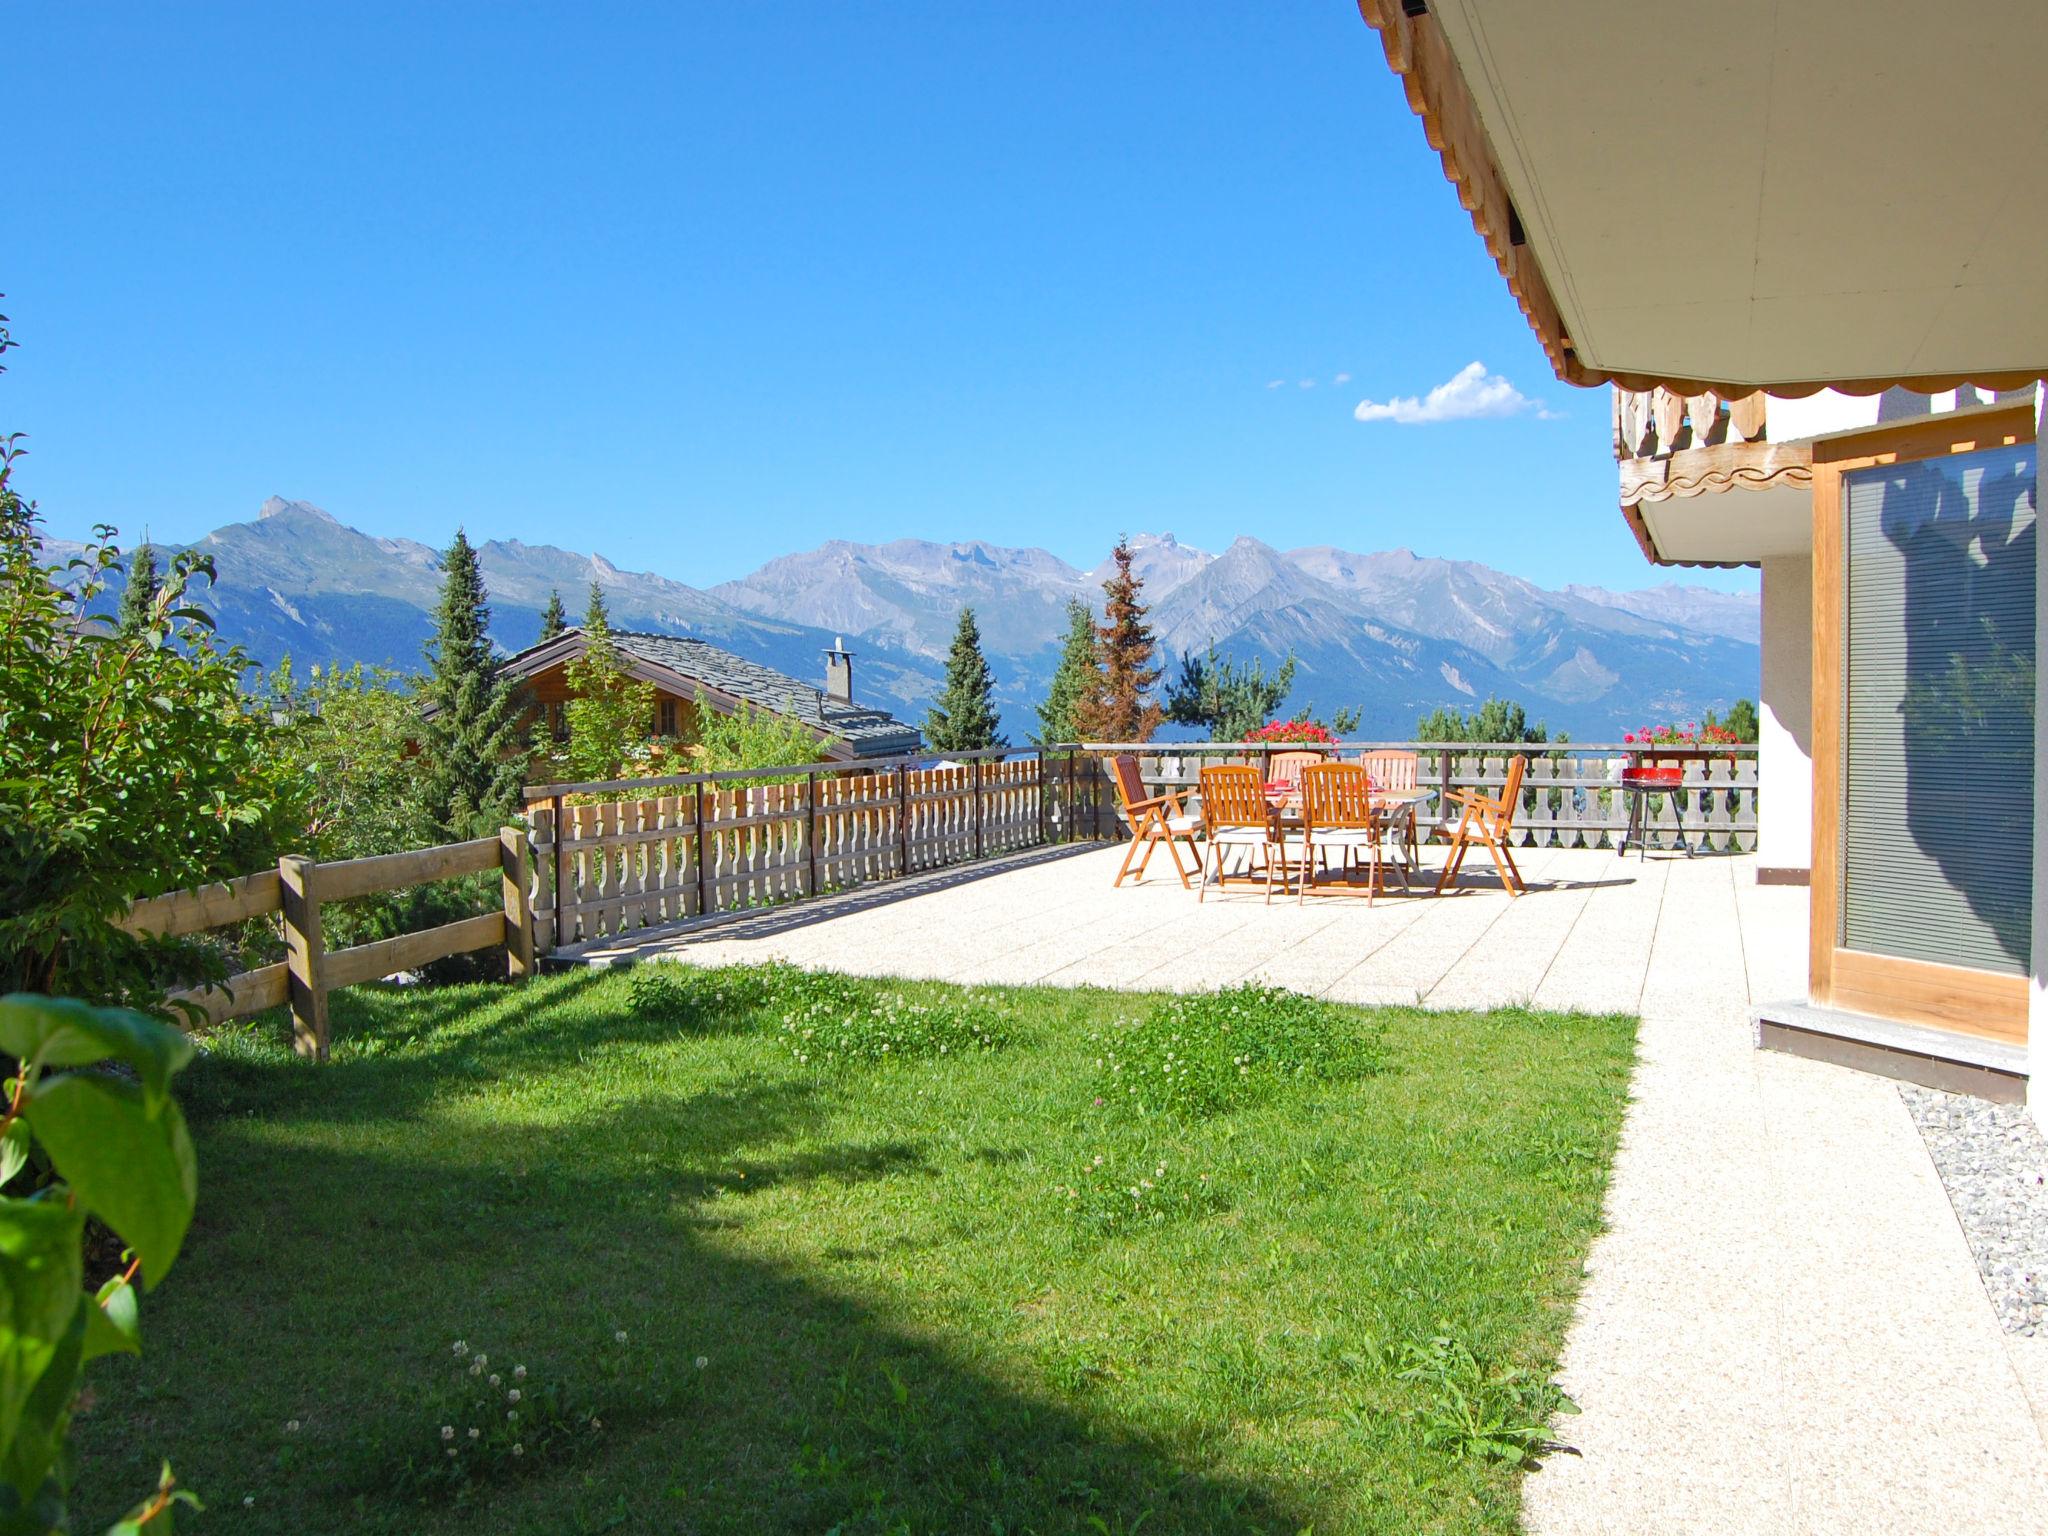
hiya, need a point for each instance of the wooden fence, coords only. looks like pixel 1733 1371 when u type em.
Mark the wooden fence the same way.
pixel 1571 794
pixel 727 842
pixel 299 887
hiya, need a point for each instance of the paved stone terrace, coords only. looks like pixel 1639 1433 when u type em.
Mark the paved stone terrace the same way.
pixel 1782 1329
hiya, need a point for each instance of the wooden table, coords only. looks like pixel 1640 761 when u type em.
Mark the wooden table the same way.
pixel 1396 806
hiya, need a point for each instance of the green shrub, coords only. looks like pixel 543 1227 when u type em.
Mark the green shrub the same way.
pixel 828 1018
pixel 1204 1054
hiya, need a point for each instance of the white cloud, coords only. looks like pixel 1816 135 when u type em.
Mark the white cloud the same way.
pixel 1342 378
pixel 1469 393
pixel 1308 383
pixel 1274 383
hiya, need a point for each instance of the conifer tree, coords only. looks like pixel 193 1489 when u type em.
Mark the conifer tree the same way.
pixel 964 717
pixel 1118 708
pixel 1227 698
pixel 475 741
pixel 552 620
pixel 138 598
pixel 1073 680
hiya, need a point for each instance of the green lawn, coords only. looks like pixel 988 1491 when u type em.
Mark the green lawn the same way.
pixel 904 1321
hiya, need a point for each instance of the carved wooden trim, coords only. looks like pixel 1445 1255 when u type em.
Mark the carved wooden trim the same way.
pixel 1724 466
pixel 1437 93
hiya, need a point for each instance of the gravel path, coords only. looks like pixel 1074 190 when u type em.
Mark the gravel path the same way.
pixel 1993 1161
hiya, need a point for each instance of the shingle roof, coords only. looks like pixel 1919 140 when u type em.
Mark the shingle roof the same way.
pixel 866 731
pixel 874 732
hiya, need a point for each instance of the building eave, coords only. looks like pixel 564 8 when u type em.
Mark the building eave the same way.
pixel 1419 54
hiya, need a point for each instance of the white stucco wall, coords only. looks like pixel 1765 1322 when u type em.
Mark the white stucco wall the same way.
pixel 1784 799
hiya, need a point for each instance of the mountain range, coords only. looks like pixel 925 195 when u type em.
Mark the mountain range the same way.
pixel 1393 634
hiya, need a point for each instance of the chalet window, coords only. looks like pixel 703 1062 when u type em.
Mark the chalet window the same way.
pixel 665 717
pixel 1938 709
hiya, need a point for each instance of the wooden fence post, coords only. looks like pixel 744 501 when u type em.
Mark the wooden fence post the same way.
pixel 297 879
pixel 903 818
pixel 700 854
pixel 514 863
pixel 977 807
pixel 1042 808
pixel 811 830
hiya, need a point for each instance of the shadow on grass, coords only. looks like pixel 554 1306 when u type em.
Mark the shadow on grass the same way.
pixel 337 1270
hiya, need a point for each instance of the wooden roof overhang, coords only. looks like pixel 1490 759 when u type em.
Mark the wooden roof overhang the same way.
pixel 563 649
pixel 1516 64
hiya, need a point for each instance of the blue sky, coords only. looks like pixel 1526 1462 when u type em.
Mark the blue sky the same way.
pixel 698 285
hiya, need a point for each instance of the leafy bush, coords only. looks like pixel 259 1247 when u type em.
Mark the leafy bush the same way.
pixel 1111 1195
pixel 1204 1054
pixel 104 1147
pixel 129 766
pixel 1492 1412
pixel 829 1019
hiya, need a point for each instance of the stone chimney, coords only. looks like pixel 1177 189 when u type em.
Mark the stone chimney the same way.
pixel 839 672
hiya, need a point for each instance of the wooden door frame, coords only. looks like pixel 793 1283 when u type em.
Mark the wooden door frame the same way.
pixel 1951 997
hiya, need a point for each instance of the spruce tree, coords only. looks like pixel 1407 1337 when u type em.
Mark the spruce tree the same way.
pixel 1073 680
pixel 964 718
pixel 138 598
pixel 1225 698
pixel 475 742
pixel 1117 707
pixel 552 620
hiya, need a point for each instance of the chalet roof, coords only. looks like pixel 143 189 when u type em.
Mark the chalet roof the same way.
pixel 696 668
pixel 1748 195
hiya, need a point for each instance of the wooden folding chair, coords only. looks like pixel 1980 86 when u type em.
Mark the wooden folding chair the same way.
pixel 1154 819
pixel 1488 820
pixel 1338 816
pixel 1289 766
pixel 1394 769
pixel 1235 814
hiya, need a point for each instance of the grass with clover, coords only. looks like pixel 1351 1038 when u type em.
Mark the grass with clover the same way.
pixel 886 1256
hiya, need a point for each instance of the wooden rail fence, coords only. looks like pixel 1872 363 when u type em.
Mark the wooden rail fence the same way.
pixel 299 887
pixel 715 843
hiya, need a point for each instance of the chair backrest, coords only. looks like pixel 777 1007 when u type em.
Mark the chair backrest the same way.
pixel 1335 795
pixel 1289 766
pixel 1392 768
pixel 1233 795
pixel 1510 795
pixel 1130 784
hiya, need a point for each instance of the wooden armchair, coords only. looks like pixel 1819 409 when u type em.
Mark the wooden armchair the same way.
pixel 1154 819
pixel 1289 766
pixel 1235 814
pixel 1395 769
pixel 1489 820
pixel 1338 816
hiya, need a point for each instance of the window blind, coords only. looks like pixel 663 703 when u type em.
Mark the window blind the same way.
pixel 1938 727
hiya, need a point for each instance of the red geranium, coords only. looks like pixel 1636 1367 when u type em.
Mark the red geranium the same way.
pixel 1292 733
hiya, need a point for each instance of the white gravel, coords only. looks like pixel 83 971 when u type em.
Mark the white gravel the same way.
pixel 1993 1161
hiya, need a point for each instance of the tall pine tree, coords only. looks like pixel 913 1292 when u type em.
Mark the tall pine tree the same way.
pixel 552 620
pixel 475 741
pixel 964 718
pixel 138 598
pixel 1073 680
pixel 1118 708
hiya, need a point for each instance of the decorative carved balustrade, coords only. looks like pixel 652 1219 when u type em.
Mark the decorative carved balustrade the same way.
pixel 1649 423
